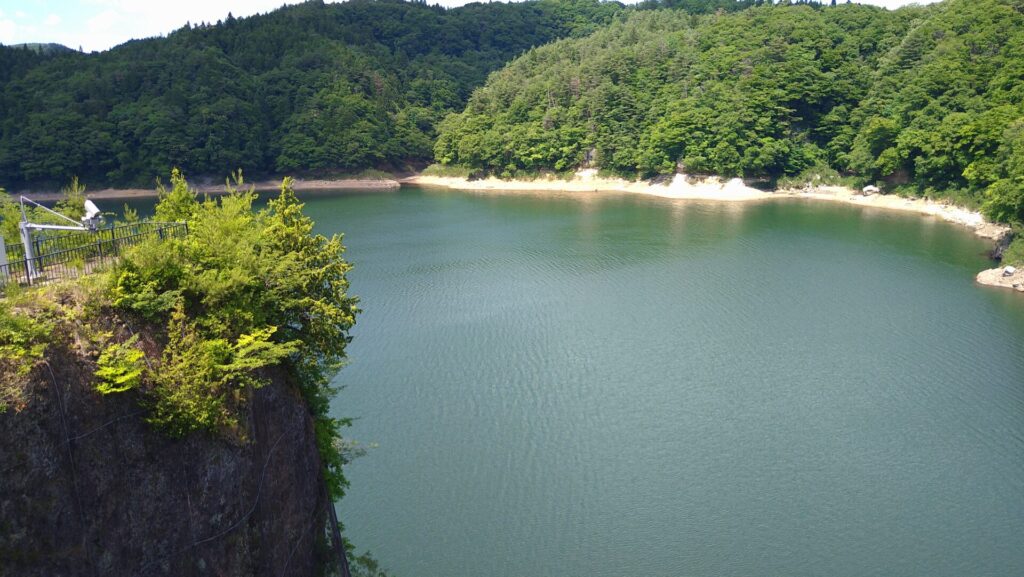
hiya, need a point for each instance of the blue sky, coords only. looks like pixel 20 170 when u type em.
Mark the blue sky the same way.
pixel 101 24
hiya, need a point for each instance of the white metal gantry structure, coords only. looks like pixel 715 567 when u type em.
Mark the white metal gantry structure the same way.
pixel 90 223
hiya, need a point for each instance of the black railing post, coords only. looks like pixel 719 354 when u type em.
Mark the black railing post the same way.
pixel 37 252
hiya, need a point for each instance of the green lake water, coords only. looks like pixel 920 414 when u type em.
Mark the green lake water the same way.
pixel 603 385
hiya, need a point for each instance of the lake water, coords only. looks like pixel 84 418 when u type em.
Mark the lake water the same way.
pixel 603 385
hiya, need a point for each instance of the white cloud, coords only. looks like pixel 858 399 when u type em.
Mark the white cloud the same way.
pixel 7 28
pixel 897 3
pixel 123 20
pixel 102 24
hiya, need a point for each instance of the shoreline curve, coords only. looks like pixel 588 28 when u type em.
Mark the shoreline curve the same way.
pixel 714 189
pixel 734 190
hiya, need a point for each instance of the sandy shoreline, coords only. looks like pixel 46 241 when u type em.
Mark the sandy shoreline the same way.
pixel 587 181
pixel 300 185
pixel 713 189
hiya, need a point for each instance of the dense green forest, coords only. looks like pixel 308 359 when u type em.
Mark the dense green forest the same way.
pixel 313 86
pixel 930 99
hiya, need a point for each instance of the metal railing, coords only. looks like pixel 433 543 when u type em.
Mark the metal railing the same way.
pixel 72 255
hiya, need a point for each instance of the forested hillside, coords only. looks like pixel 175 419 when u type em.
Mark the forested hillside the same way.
pixel 929 98
pixel 946 109
pixel 308 87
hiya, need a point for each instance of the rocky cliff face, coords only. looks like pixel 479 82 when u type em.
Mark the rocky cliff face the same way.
pixel 88 488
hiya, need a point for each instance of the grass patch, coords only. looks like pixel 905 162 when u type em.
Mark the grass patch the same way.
pixel 1014 254
pixel 457 171
pixel 448 171
pixel 26 329
pixel 373 174
pixel 819 175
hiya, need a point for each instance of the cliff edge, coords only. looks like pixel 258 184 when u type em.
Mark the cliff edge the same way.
pixel 88 488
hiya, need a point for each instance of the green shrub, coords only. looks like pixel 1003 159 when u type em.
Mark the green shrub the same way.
pixel 129 214
pixel 373 174
pixel 177 204
pixel 448 170
pixel 130 291
pixel 1004 201
pixel 818 175
pixel 120 367
pixel 1014 254
pixel 200 382
pixel 246 289
pixel 72 204
pixel 25 332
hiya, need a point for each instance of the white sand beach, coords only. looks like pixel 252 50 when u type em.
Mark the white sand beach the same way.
pixel 588 181
pixel 715 189
pixel 734 190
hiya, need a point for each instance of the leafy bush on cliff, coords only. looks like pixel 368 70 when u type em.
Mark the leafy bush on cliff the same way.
pixel 26 327
pixel 201 382
pixel 177 204
pixel 1014 254
pixel 247 295
pixel 245 290
pixel 120 367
